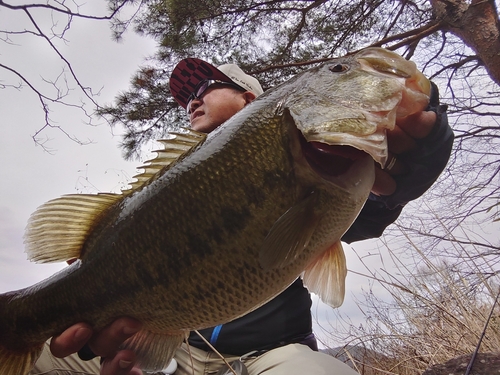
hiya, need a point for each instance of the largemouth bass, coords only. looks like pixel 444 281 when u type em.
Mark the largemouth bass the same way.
pixel 217 226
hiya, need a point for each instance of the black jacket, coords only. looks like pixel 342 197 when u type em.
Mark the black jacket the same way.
pixel 287 318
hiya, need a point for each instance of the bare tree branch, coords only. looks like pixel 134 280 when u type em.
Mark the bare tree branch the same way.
pixel 37 16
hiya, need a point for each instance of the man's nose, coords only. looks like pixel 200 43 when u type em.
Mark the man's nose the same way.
pixel 195 103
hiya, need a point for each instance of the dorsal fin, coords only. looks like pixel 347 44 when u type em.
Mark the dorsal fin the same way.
pixel 174 150
pixel 57 230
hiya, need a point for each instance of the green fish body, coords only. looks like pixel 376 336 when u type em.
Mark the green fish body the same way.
pixel 217 226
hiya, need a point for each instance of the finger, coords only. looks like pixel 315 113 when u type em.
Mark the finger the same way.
pixel 399 141
pixel 418 125
pixel 106 342
pixel 384 184
pixel 71 340
pixel 120 364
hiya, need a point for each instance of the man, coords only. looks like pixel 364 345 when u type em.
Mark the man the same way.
pixel 276 338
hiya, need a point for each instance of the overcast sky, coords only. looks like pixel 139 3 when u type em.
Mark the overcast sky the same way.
pixel 32 176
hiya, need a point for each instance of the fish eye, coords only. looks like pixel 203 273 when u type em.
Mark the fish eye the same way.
pixel 338 68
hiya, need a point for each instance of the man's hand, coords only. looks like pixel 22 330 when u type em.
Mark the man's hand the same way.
pixel 106 344
pixel 401 140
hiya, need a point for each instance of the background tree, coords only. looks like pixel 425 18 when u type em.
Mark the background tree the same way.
pixel 439 310
pixel 454 42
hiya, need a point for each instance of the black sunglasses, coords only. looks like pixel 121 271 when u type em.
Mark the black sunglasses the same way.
pixel 200 89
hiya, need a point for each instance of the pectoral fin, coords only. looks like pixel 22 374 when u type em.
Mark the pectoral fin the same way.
pixel 326 276
pixel 291 233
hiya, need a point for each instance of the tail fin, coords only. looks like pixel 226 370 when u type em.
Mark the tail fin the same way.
pixel 14 362
pixel 18 363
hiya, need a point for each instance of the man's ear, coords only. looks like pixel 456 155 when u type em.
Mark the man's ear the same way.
pixel 249 97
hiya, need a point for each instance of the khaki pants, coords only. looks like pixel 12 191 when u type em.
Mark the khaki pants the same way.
pixel 293 359
pixel 70 365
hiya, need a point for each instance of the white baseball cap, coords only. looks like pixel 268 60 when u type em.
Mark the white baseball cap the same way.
pixel 188 73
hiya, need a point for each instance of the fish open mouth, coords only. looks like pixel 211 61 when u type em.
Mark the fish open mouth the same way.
pixel 330 160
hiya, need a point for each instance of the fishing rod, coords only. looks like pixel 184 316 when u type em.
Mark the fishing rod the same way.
pixel 473 358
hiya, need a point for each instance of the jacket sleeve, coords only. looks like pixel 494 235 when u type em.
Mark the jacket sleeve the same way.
pixel 425 164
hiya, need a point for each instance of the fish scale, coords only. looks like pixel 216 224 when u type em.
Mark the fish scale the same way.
pixel 216 227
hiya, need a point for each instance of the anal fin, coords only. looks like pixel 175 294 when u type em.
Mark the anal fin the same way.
pixel 154 350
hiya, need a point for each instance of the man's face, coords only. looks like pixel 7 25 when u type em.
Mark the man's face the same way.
pixel 218 104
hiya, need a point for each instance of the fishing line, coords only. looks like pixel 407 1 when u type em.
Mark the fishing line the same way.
pixel 216 352
pixel 189 352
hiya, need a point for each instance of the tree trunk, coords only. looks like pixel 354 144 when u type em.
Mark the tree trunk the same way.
pixel 477 25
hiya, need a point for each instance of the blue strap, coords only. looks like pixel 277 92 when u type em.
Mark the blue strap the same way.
pixel 215 334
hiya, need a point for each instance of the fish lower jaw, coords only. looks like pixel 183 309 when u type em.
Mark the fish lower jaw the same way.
pixel 342 163
pixel 374 144
pixel 350 175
